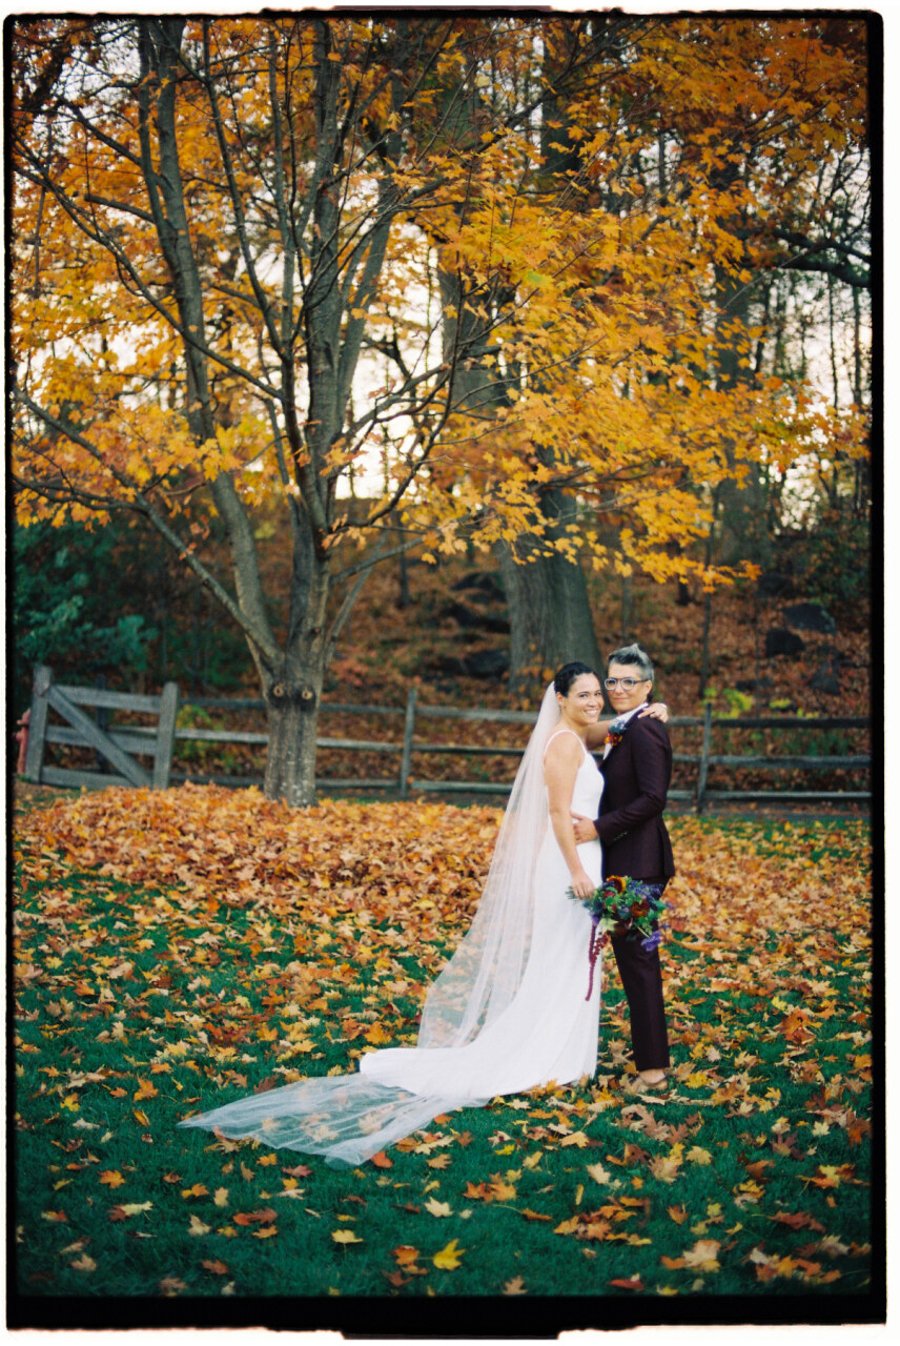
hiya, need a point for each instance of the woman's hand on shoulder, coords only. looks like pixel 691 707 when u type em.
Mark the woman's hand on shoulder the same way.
pixel 657 711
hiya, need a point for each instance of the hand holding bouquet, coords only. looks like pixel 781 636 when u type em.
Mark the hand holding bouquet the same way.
pixel 622 906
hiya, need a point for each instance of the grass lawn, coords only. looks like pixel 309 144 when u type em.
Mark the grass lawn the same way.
pixel 176 950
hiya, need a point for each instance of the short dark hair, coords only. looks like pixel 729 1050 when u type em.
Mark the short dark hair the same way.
pixel 633 654
pixel 565 676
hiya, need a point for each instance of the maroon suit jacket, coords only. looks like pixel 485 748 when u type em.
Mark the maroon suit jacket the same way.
pixel 636 777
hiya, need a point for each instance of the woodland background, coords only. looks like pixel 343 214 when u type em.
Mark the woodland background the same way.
pixel 352 355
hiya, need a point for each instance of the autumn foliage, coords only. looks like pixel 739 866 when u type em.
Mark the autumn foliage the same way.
pixel 509 270
pixel 175 949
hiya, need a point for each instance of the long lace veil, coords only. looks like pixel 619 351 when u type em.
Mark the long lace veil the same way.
pixel 348 1118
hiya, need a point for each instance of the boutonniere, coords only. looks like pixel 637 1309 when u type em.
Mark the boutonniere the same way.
pixel 615 733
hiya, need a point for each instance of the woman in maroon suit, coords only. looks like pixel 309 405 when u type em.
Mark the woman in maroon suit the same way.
pixel 637 768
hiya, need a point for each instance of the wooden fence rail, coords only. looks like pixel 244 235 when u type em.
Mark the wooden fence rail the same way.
pixel 119 747
pixel 121 744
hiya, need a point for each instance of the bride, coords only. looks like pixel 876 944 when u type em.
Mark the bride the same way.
pixel 508 1011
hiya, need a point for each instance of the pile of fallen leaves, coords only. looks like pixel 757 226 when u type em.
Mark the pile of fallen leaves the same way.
pixel 177 949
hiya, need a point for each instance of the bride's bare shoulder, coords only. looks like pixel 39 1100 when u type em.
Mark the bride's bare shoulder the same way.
pixel 563 745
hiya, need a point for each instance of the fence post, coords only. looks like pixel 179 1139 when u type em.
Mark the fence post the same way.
pixel 408 728
pixel 165 736
pixel 37 725
pixel 703 770
pixel 102 717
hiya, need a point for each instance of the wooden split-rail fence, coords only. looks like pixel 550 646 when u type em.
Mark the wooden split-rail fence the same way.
pixel 118 746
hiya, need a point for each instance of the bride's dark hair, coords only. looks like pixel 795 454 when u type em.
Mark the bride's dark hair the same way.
pixel 566 675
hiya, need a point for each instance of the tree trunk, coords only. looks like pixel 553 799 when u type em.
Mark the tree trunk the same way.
pixel 549 616
pixel 293 716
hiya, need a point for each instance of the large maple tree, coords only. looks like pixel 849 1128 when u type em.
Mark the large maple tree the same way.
pixel 499 258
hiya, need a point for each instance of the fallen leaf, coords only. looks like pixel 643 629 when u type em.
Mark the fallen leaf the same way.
pixel 449 1257
pixel 217 1268
pixel 703 1255
pixel 264 1216
pixel 198 1189
pixel 171 1285
pixel 397 1278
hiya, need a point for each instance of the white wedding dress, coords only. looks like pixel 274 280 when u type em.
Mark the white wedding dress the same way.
pixel 508 1013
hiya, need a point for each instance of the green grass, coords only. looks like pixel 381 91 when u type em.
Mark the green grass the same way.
pixel 766 1190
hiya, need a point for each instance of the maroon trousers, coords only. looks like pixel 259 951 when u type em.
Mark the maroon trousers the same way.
pixel 642 982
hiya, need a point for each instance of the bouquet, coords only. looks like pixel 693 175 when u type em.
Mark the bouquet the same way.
pixel 622 906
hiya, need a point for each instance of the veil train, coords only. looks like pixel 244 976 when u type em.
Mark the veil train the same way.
pixel 348 1118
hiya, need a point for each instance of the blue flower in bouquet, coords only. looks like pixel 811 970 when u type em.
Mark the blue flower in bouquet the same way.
pixel 622 906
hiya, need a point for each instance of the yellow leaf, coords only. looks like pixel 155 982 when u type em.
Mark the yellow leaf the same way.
pixel 376 1035
pixel 697 1079
pixel 84 1263
pixel 111 1177
pixel 345 1236
pixel 437 1208
pixel 449 1258
pixel 197 1226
